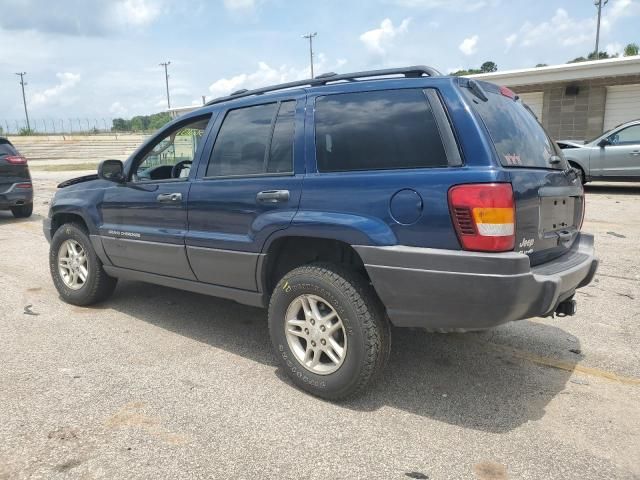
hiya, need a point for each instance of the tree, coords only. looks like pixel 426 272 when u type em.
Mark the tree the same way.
pixel 488 67
pixel 538 65
pixel 631 49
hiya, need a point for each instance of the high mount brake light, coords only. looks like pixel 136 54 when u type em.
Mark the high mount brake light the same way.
pixel 484 216
pixel 508 93
pixel 15 159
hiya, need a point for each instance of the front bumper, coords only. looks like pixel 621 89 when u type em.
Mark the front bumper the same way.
pixel 14 197
pixel 449 290
pixel 46 228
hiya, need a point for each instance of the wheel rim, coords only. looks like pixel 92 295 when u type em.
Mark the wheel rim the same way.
pixel 315 334
pixel 72 264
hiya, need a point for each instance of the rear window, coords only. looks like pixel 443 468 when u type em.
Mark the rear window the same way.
pixel 379 130
pixel 517 135
pixel 7 149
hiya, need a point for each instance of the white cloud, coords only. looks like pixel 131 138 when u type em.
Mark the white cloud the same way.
pixel 469 46
pixel 510 40
pixel 379 39
pixel 136 12
pixel 66 82
pixel 267 75
pixel 564 30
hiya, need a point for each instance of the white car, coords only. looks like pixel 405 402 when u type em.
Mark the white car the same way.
pixel 611 156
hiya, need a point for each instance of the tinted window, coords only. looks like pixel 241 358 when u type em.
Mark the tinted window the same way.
pixel 519 139
pixel 281 152
pixel 7 149
pixel 242 142
pixel 629 135
pixel 377 130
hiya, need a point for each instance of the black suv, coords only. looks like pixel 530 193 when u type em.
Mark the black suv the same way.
pixel 16 190
pixel 344 204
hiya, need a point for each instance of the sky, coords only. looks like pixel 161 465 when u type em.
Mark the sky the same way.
pixel 100 59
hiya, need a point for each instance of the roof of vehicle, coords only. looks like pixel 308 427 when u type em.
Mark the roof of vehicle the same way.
pixel 415 71
pixel 5 140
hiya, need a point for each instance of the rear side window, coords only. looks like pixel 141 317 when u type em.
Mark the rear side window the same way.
pixel 518 137
pixel 254 140
pixel 389 129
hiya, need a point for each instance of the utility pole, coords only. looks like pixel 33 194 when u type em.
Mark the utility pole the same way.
pixel 24 98
pixel 599 4
pixel 166 79
pixel 310 36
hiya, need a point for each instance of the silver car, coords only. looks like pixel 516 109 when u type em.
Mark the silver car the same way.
pixel 612 156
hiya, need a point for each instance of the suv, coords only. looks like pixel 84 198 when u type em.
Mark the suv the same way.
pixel 345 204
pixel 16 189
pixel 611 156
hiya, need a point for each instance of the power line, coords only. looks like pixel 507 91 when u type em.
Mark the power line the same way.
pixel 310 36
pixel 24 98
pixel 166 79
pixel 599 4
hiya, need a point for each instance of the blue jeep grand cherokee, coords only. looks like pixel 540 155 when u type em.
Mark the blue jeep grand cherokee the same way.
pixel 345 204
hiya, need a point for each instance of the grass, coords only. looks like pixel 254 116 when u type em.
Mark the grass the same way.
pixel 64 167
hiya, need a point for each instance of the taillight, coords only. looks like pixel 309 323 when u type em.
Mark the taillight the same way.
pixel 15 159
pixel 23 185
pixel 484 216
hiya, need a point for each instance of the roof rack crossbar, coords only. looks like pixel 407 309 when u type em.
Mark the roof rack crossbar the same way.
pixel 409 72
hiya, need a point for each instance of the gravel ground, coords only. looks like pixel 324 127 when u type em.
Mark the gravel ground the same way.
pixel 159 383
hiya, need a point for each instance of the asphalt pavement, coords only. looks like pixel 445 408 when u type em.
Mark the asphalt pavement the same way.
pixel 158 383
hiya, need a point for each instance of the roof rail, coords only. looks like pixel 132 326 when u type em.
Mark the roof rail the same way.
pixel 409 72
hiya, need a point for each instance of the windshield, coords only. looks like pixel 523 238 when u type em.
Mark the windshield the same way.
pixel 518 137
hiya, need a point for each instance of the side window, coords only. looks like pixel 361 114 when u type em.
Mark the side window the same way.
pixel 377 130
pixel 628 136
pixel 171 156
pixel 254 140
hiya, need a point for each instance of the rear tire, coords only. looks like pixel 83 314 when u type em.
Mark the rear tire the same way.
pixel 76 270
pixel 22 211
pixel 343 319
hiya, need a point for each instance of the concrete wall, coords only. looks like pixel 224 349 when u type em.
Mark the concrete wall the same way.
pixel 578 116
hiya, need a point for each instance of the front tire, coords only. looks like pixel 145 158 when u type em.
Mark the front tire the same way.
pixel 76 270
pixel 22 211
pixel 328 330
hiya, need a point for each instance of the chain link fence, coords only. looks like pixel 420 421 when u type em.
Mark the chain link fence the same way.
pixel 66 126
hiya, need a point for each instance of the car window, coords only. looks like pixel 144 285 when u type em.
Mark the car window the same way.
pixel 7 149
pixel 172 155
pixel 518 137
pixel 254 140
pixel 626 136
pixel 379 130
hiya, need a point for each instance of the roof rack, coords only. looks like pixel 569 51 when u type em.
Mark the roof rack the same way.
pixel 409 72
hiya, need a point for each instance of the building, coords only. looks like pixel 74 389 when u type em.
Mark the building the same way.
pixel 577 100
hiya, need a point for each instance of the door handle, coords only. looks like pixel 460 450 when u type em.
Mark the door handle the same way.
pixel 273 196
pixel 169 197
pixel 635 152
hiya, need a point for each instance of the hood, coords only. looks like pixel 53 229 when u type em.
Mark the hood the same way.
pixel 75 181
pixel 570 143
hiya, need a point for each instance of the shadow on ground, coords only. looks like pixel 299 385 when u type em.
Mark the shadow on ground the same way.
pixel 613 189
pixel 460 379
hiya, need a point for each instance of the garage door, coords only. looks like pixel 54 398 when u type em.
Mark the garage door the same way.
pixel 535 101
pixel 623 105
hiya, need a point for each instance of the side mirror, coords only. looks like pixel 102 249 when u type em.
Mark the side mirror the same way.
pixel 111 170
pixel 604 142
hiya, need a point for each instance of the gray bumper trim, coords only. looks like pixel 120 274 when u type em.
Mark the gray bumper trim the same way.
pixel 445 289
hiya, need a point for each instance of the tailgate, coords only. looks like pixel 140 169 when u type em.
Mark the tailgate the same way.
pixel 548 195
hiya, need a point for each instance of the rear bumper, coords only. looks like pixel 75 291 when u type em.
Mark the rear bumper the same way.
pixel 14 197
pixel 445 289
